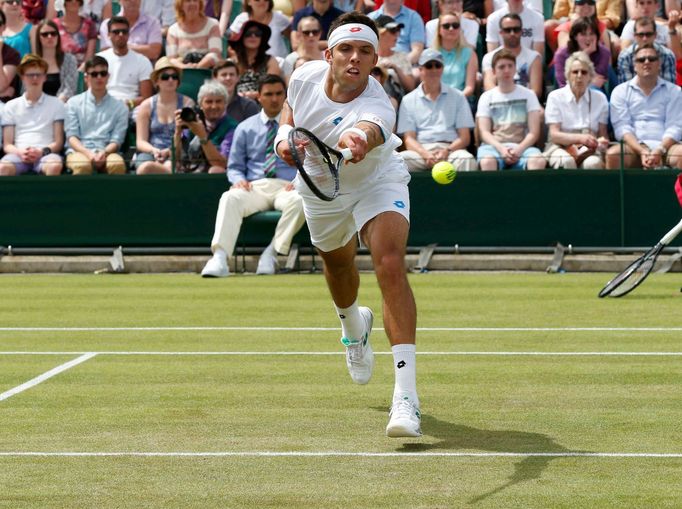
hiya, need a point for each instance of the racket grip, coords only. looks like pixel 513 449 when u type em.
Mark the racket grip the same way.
pixel 347 154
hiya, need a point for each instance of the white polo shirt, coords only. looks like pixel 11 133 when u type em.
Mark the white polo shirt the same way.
pixel 126 73
pixel 575 116
pixel 33 122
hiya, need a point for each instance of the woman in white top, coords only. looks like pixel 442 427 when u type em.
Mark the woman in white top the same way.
pixel 194 40
pixel 577 118
pixel 262 11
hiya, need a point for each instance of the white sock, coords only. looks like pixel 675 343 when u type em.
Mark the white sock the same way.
pixel 405 367
pixel 352 322
pixel 269 251
pixel 220 254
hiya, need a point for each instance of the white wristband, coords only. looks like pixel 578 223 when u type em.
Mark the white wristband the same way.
pixel 282 134
pixel 357 131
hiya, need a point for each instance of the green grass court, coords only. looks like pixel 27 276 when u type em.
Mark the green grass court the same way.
pixel 234 393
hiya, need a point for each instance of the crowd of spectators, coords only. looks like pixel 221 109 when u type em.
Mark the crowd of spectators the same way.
pixel 96 86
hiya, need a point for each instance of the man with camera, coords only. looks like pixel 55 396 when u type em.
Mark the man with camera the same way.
pixel 259 181
pixel 207 144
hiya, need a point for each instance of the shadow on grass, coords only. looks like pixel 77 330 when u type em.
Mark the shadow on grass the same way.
pixel 453 437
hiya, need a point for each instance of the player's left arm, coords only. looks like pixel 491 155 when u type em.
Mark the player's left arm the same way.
pixel 363 137
pixel 286 123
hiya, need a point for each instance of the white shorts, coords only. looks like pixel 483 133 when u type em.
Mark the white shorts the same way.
pixel 332 224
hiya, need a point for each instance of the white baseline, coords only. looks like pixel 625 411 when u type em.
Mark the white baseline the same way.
pixel 318 329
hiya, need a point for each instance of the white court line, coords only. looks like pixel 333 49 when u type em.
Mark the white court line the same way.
pixel 456 353
pixel 333 454
pixel 317 329
pixel 46 375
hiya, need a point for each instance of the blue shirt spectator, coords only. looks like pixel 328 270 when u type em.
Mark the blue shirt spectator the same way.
pixel 96 124
pixel 626 68
pixel 412 33
pixel 247 156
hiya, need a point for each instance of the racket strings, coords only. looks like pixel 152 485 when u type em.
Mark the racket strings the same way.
pixel 317 163
pixel 631 280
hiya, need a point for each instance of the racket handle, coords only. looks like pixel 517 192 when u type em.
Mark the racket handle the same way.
pixel 347 154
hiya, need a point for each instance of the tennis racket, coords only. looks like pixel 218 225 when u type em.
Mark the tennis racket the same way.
pixel 638 270
pixel 318 163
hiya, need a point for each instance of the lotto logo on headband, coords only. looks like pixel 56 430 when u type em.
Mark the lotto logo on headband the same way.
pixel 355 29
pixel 353 32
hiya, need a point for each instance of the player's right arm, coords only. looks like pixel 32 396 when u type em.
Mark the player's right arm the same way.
pixel 286 122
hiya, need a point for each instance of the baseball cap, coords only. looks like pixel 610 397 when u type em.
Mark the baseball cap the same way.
pixel 430 54
pixel 388 22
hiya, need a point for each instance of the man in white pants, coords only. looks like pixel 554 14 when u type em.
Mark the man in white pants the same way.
pixel 260 181
pixel 342 106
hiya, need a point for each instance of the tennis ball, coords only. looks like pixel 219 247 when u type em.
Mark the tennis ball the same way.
pixel 443 172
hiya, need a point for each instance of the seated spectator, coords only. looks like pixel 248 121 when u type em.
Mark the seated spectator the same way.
pixel 435 120
pixel 163 11
pixel 262 11
pixel 194 40
pixel 666 33
pixel 238 107
pixel 62 68
pixel 607 11
pixel 421 7
pixel 322 10
pixel 17 31
pixel 251 51
pixel 645 114
pixel 528 61
pixel 468 26
pixel 509 121
pixel 78 33
pixel 155 123
pixel 584 37
pixel 397 63
pixel 309 30
pixel 461 63
pixel 32 125
pixel 206 147
pixel 128 70
pixel 96 125
pixel 9 60
pixel 96 10
pixel 144 31
pixel 350 5
pixel 577 118
pixel 259 181
pixel 582 9
pixel 412 36
pixel 33 10
pixel 645 33
pixel 478 10
pixel 533 35
pixel 536 5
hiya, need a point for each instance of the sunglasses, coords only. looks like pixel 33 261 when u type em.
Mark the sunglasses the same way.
pixel 253 33
pixel 450 26
pixel 585 2
pixel 308 33
pixel 169 76
pixel 34 75
pixel 645 34
pixel 433 65
pixel 51 33
pixel 12 2
pixel 394 30
pixel 510 30
pixel 581 72
pixel 641 60
pixel 98 74
pixel 120 31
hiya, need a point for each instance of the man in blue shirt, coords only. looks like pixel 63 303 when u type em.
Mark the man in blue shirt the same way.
pixel 411 39
pixel 96 124
pixel 645 114
pixel 260 181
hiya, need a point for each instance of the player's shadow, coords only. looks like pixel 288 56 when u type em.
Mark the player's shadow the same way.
pixel 455 437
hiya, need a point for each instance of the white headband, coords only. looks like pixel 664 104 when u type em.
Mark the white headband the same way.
pixel 353 32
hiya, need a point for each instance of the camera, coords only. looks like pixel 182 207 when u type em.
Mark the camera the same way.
pixel 189 114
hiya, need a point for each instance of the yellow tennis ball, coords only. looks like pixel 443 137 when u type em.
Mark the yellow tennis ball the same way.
pixel 443 172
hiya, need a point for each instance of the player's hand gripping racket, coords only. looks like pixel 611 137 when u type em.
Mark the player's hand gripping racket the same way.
pixel 318 163
pixel 638 270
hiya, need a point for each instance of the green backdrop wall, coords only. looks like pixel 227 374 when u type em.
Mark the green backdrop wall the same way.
pixel 524 209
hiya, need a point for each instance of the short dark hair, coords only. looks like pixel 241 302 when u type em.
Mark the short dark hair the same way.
pixel 96 61
pixel 513 16
pixel 646 21
pixel 353 17
pixel 503 54
pixel 117 20
pixel 224 64
pixel 271 79
pixel 641 47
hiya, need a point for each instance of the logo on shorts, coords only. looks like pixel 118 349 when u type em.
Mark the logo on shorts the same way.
pixel 337 120
pixel 399 203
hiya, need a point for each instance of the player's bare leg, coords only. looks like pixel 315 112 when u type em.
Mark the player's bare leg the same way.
pixel 386 237
pixel 343 281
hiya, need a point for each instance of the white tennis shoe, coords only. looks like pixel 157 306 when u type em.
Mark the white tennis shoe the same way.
pixel 216 267
pixel 359 354
pixel 404 420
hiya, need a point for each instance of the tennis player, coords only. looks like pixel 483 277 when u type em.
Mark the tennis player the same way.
pixel 337 101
